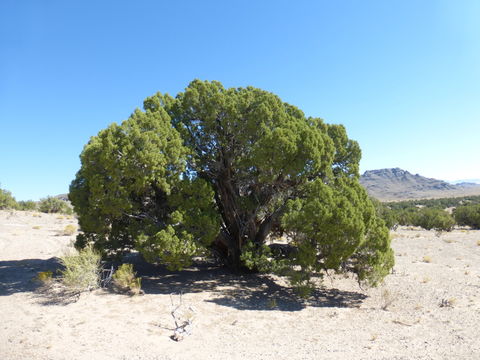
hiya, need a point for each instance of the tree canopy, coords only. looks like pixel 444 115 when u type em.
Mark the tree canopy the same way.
pixel 228 171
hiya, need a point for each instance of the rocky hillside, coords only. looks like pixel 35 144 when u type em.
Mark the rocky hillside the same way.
pixel 398 184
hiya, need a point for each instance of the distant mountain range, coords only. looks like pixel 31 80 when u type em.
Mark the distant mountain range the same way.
pixel 466 181
pixel 397 184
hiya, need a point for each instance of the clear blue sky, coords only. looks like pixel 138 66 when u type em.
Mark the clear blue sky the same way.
pixel 402 76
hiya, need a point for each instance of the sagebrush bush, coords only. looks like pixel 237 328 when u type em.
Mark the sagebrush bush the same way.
pixel 7 201
pixel 52 204
pixel 82 269
pixel 124 279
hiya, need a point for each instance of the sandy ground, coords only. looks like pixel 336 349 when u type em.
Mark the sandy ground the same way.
pixel 429 308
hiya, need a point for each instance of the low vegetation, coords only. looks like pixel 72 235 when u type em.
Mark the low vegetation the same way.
pixel 50 204
pixel 45 277
pixel 435 203
pixel 81 270
pixel 7 201
pixel 28 205
pixel 468 215
pixel 432 214
pixel 69 230
pixel 125 280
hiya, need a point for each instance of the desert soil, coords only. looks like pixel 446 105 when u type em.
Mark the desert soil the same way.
pixel 429 308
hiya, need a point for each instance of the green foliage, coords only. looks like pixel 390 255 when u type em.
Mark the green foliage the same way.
pixel 128 193
pixel 81 269
pixel 426 218
pixel 124 279
pixel 434 203
pixel 430 214
pixel 389 216
pixel 468 215
pixel 7 201
pixel 28 205
pixel 173 249
pixel 52 204
pixel 335 228
pixel 436 219
pixel 225 168
pixel 261 258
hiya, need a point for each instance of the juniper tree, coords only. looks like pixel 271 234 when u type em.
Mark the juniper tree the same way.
pixel 227 170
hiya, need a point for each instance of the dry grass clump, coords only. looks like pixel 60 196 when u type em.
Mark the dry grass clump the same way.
pixel 272 303
pixel 36 227
pixel 69 230
pixel 387 299
pixel 45 277
pixel 124 280
pixel 82 270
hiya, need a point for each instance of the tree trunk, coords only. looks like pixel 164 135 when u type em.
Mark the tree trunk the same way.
pixel 239 225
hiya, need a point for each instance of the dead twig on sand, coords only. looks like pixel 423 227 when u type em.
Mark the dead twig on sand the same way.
pixel 182 327
pixel 404 323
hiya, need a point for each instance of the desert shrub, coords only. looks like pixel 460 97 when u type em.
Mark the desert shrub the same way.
pixel 124 279
pixel 28 205
pixel 52 204
pixel 387 299
pixel 435 219
pixel 434 203
pixel 405 217
pixel 82 269
pixel 7 201
pixel 69 230
pixel 408 212
pixel 468 215
pixel 426 218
